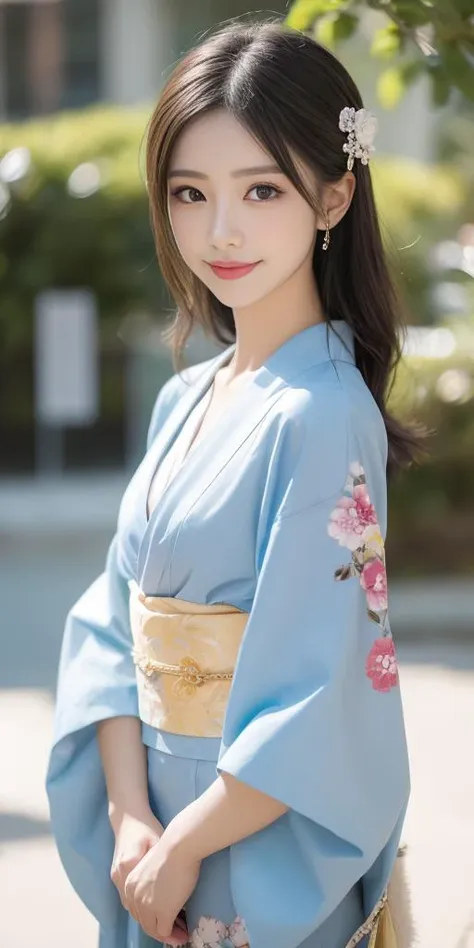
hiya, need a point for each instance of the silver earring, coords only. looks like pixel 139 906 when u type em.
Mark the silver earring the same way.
pixel 327 236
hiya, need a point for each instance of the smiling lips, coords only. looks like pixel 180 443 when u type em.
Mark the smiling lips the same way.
pixel 227 270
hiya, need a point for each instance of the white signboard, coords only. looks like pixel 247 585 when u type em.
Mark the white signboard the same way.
pixel 66 356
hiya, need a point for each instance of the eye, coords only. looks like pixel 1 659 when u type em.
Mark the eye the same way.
pixel 192 193
pixel 263 189
pixel 266 192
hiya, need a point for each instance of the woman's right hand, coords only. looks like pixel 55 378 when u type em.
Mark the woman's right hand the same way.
pixel 134 837
pixel 136 829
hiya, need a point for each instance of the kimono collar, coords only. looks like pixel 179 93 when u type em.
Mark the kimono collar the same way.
pixel 315 344
pixel 319 343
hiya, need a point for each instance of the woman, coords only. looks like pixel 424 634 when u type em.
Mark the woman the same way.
pixel 230 765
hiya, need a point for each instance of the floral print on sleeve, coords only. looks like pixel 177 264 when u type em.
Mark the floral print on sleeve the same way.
pixel 353 523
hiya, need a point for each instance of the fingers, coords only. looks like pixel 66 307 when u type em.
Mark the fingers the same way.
pixel 129 900
pixel 155 926
pixel 158 927
pixel 178 938
pixel 119 874
pixel 175 942
pixel 122 867
pixel 179 935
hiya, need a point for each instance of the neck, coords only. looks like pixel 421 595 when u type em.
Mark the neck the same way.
pixel 267 324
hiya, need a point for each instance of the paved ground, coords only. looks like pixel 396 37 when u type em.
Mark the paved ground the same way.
pixel 37 582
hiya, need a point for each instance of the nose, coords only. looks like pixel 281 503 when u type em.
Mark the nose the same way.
pixel 225 231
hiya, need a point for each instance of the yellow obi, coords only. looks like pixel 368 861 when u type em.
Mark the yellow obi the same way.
pixel 185 655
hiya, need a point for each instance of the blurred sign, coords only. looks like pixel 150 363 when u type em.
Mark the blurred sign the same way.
pixel 66 354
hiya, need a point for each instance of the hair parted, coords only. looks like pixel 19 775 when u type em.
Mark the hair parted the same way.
pixel 288 91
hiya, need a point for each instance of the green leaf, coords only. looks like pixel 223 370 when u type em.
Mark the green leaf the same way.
pixel 412 12
pixel 393 82
pixel 333 29
pixel 463 7
pixel 391 87
pixel 324 32
pixel 441 86
pixel 386 42
pixel 458 68
pixel 450 18
pixel 303 13
pixel 345 26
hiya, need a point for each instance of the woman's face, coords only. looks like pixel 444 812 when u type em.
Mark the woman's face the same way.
pixel 228 202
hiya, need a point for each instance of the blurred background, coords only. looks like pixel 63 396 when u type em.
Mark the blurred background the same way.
pixel 82 310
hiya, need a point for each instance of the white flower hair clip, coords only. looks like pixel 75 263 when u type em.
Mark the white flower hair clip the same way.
pixel 362 126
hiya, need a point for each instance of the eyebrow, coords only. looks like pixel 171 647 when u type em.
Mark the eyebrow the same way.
pixel 240 173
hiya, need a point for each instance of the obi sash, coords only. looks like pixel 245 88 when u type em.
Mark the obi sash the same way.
pixel 185 655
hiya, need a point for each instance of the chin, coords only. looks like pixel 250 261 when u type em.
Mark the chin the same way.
pixel 239 301
pixel 231 294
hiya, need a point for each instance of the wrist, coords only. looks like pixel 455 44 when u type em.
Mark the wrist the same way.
pixel 119 813
pixel 179 841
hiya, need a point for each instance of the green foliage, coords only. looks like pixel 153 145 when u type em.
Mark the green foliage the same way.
pixel 51 237
pixel 433 504
pixel 418 206
pixel 386 42
pixel 455 146
pixel 432 37
pixel 335 28
pixel 303 14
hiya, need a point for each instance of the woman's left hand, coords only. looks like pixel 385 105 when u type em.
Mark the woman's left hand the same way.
pixel 157 889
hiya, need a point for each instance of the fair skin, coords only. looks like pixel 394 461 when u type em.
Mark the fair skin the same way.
pixel 218 214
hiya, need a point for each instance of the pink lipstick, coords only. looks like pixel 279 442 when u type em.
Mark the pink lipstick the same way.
pixel 227 270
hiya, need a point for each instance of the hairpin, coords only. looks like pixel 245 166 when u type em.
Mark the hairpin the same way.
pixel 361 126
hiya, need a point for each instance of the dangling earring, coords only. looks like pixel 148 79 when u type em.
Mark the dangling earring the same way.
pixel 327 236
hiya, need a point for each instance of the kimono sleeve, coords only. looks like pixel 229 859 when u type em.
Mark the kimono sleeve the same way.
pixel 314 717
pixel 96 681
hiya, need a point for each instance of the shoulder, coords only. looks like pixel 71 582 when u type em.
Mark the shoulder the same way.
pixel 328 421
pixel 172 390
pixel 339 405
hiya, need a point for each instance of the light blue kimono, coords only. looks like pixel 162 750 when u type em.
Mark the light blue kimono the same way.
pixel 280 510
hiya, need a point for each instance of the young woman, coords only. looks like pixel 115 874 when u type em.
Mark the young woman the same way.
pixel 229 765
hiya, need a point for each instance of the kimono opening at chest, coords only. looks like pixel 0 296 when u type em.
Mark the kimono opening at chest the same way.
pixel 201 538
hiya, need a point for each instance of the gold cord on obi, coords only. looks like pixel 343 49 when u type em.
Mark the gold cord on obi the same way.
pixel 189 674
pixel 185 654
pixel 188 670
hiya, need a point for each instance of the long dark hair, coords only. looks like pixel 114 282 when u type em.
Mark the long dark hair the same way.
pixel 288 91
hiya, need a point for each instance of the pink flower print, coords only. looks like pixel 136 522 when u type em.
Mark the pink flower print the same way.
pixel 373 579
pixel 351 517
pixel 382 666
pixel 210 933
pixel 238 934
